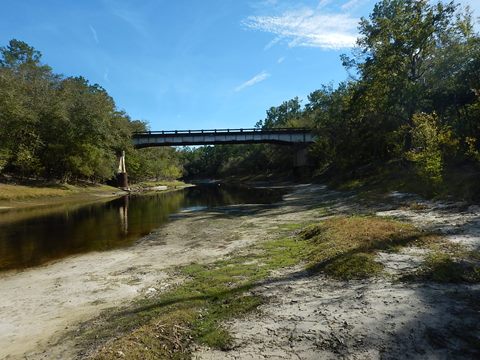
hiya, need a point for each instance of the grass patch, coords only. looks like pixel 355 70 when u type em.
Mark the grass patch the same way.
pixel 9 192
pixel 345 247
pixel 165 326
pixel 361 265
pixel 290 227
pixel 19 192
pixel 446 268
pixel 211 294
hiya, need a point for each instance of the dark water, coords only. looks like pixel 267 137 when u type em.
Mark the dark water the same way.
pixel 35 236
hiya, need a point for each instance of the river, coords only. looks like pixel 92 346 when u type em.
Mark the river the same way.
pixel 31 237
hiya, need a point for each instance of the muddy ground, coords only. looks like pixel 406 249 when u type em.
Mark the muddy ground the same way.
pixel 306 317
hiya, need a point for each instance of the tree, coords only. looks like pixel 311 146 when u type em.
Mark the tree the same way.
pixel 398 43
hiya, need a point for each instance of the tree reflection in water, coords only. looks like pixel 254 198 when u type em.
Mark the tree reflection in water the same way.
pixel 50 234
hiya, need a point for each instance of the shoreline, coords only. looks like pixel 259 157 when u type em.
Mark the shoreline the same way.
pixel 81 288
pixel 73 195
pixel 43 196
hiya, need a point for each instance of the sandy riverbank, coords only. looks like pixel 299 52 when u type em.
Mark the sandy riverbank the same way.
pixel 37 305
pixel 17 197
pixel 306 316
pixel 316 317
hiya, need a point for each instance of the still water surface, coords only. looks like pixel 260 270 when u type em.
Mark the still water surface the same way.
pixel 35 236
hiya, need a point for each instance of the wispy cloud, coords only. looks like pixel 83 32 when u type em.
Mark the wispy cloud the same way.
pixel 323 3
pixel 94 33
pixel 272 42
pixel 351 4
pixel 281 60
pixel 105 75
pixel 254 80
pixel 133 13
pixel 309 27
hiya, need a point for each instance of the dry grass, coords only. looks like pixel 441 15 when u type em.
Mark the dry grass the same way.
pixel 10 192
pixel 19 192
pixel 167 325
pixel 345 246
pixel 164 338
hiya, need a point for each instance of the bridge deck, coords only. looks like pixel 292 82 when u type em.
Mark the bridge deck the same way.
pixel 222 136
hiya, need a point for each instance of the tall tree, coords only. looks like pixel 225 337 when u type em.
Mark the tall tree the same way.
pixel 398 42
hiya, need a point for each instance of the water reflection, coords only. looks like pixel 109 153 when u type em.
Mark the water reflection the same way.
pixel 123 211
pixel 45 235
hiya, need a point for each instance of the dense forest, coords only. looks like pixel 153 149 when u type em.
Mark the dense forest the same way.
pixel 64 128
pixel 411 104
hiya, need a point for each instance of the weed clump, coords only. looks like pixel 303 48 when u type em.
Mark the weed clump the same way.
pixel 345 246
pixel 445 268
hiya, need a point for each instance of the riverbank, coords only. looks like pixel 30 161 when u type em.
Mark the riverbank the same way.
pixel 277 273
pixel 14 196
pixel 356 284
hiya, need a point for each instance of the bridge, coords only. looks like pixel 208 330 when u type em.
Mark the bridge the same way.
pixel 222 136
pixel 299 138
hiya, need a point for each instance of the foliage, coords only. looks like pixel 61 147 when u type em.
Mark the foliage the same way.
pixel 413 93
pixel 65 128
pixel 429 137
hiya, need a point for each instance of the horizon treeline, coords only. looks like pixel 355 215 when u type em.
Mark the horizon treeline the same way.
pixel 411 103
pixel 412 97
pixel 65 128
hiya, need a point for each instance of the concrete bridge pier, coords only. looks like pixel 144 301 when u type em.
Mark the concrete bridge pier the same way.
pixel 122 177
pixel 301 158
pixel 301 165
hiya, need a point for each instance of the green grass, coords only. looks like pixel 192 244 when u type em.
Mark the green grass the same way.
pixel 193 312
pixel 345 246
pixel 211 294
pixel 290 226
pixel 445 267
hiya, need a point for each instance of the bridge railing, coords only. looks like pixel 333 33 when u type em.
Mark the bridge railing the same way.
pixel 222 131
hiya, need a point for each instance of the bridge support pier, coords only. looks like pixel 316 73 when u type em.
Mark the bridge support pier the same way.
pixel 122 177
pixel 301 158
pixel 301 165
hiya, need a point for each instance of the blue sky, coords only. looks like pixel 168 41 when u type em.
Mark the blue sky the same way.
pixel 193 64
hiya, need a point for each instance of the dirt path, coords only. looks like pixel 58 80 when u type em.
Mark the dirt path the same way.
pixel 38 305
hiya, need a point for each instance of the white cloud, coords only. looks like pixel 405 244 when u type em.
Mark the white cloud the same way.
pixel 281 60
pixel 254 80
pixel 323 3
pixel 273 42
pixel 308 27
pixel 352 4
pixel 94 33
